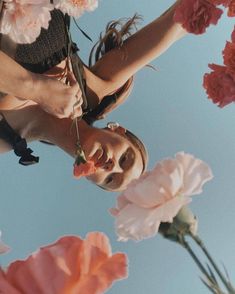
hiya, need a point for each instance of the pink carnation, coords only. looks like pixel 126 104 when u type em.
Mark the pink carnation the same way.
pixel 196 15
pixel 158 195
pixel 71 265
pixel 76 8
pixel 220 85
pixel 229 56
pixel 22 20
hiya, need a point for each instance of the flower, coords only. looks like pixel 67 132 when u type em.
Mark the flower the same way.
pixel 196 15
pixel 184 223
pixel 229 56
pixel 233 35
pixel 22 20
pixel 158 195
pixel 3 247
pixel 70 265
pixel 75 8
pixel 231 8
pixel 82 167
pixel 220 85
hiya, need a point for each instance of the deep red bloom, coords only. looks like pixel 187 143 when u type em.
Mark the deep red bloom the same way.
pixel 233 35
pixel 196 15
pixel 231 8
pixel 229 56
pixel 220 85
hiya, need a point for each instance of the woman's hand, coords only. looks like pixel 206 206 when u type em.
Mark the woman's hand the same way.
pixel 59 99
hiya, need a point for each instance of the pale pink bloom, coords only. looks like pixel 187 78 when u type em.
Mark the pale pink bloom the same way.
pixel 158 195
pixel 71 265
pixel 22 20
pixel 76 8
pixel 3 247
pixel 196 15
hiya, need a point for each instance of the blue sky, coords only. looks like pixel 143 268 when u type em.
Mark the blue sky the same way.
pixel 169 110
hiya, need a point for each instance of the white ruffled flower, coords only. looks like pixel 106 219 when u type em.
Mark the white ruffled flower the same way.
pixel 75 8
pixel 22 20
pixel 158 195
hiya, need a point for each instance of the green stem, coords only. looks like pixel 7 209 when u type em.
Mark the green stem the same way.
pixel 204 249
pixel 185 244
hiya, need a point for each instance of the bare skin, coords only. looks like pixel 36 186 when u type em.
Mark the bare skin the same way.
pixel 107 75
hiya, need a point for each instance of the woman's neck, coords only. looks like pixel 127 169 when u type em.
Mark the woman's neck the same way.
pixel 33 124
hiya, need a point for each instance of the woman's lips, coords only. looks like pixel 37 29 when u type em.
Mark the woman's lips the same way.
pixel 100 157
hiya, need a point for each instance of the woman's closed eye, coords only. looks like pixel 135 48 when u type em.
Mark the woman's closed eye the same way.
pixel 109 180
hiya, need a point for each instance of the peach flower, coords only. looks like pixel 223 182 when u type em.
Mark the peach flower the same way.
pixel 76 8
pixel 71 265
pixel 22 20
pixel 196 15
pixel 220 85
pixel 3 247
pixel 229 56
pixel 158 195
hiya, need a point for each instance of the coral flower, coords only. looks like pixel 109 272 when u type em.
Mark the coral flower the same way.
pixel 84 169
pixel 22 20
pixel 196 15
pixel 71 265
pixel 75 8
pixel 220 85
pixel 158 195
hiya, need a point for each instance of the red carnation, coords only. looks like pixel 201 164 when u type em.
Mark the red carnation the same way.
pixel 231 8
pixel 196 15
pixel 84 169
pixel 229 56
pixel 220 85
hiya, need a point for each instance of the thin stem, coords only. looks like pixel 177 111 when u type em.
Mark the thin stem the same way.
pixel 204 249
pixel 185 244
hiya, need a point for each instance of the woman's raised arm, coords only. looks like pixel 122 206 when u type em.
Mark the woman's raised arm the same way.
pixel 118 65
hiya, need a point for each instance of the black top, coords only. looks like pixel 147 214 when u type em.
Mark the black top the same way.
pixel 49 49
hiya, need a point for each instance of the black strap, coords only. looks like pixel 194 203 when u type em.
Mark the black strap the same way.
pixel 18 144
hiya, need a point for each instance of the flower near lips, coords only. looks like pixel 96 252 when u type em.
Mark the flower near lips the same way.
pixel 76 8
pixel 82 167
pixel 22 20
pixel 220 85
pixel 158 195
pixel 71 265
pixel 196 15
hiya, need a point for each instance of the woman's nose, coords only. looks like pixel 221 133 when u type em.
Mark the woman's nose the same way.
pixel 110 165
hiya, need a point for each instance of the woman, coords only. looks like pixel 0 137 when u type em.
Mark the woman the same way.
pixel 105 77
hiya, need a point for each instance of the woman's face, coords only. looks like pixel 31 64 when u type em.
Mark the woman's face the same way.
pixel 117 160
